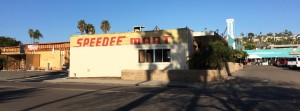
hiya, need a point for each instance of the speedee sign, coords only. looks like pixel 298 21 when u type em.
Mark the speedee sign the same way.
pixel 131 38
pixel 119 40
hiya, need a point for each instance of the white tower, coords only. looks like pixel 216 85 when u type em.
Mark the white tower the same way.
pixel 230 29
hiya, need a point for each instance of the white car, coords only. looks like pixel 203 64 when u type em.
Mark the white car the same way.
pixel 293 62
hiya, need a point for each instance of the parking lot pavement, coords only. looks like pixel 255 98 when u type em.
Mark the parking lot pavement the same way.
pixel 273 73
pixel 240 94
pixel 265 73
pixel 27 75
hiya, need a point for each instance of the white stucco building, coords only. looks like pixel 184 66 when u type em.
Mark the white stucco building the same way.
pixel 106 55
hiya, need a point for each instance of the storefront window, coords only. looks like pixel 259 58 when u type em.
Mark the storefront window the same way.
pixel 154 55
pixel 142 56
pixel 166 55
pixel 158 55
pixel 149 56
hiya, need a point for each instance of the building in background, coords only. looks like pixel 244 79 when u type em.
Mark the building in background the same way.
pixel 270 56
pixel 40 56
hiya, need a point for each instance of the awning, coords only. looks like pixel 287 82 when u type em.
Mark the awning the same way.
pixel 253 57
pixel 273 53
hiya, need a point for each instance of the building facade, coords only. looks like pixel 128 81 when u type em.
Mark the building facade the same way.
pixel 40 56
pixel 107 55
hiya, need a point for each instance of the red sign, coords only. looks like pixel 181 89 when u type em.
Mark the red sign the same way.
pixel 112 41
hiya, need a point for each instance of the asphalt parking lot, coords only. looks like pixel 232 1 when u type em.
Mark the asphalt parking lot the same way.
pixel 255 88
pixel 273 73
pixel 266 73
pixel 32 76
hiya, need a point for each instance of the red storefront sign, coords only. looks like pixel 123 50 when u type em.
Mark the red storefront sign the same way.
pixel 113 41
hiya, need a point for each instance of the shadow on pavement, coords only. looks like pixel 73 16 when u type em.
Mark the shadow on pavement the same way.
pixel 8 94
pixel 246 94
pixel 35 76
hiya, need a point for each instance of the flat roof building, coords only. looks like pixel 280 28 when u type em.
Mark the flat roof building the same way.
pixel 107 55
pixel 40 56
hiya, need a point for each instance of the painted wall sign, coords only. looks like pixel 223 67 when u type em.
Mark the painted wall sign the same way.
pixel 113 41
pixel 294 53
pixel 32 47
pixel 130 38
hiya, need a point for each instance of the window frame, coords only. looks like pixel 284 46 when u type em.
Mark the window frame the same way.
pixel 153 55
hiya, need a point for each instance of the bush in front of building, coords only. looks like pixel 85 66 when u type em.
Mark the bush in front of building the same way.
pixel 239 56
pixel 220 54
pixel 214 55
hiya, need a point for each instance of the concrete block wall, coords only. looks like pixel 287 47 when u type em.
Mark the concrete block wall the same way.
pixel 233 67
pixel 180 75
pixel 174 75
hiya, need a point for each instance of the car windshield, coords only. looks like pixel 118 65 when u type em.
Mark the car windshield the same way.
pixel 292 59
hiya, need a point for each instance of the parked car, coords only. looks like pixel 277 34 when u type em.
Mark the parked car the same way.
pixel 293 62
pixel 281 61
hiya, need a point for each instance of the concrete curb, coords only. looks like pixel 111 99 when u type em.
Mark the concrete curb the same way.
pixel 127 82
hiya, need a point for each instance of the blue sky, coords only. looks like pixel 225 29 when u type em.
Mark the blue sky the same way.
pixel 57 19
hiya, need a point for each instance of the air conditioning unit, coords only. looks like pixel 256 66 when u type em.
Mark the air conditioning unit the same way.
pixel 138 28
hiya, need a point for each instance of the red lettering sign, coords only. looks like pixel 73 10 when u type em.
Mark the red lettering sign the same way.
pixel 105 41
pixel 79 43
pixel 112 41
pixel 135 41
pixel 98 42
pixel 86 42
pixel 120 39
pixel 92 42
pixel 155 40
pixel 166 39
pixel 146 40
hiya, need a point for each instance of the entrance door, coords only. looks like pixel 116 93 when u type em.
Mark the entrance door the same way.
pixel 32 60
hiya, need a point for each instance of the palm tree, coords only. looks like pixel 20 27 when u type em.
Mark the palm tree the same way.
pixel 81 26
pixel 30 32
pixel 90 29
pixel 251 36
pixel 37 35
pixel 105 26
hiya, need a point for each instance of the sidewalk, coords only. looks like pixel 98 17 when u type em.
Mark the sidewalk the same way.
pixel 126 82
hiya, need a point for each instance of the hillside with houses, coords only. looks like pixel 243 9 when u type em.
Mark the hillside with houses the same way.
pixel 266 41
